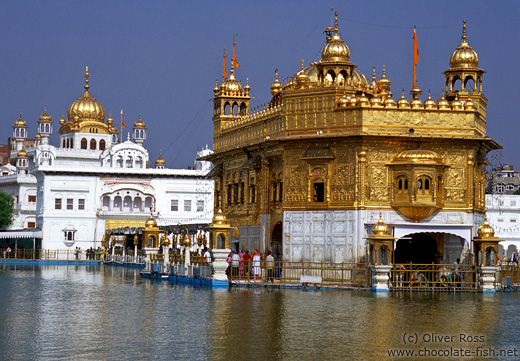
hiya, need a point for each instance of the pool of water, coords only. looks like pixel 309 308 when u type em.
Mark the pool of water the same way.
pixel 59 312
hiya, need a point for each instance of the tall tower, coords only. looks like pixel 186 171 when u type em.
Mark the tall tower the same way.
pixel 464 68
pixel 231 101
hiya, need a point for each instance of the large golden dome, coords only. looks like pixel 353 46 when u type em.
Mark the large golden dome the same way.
pixel 464 56
pixel 86 107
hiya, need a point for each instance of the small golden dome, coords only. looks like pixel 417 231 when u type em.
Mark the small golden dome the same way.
pixel 464 56
pixel 110 120
pixel 380 228
pixel 45 117
pixel 376 101
pixel 302 79
pixel 456 104
pixel 165 241
pixel 418 155
pixel 22 154
pixel 232 85
pixel 219 218
pixel 403 102
pixel 485 230
pixel 335 50
pixel 343 102
pixel 215 89
pixel 443 103
pixel 389 101
pixel 469 105
pixel 187 240
pixel 150 222
pixel 20 122
pixel 37 136
pixel 86 107
pixel 62 120
pixel 363 100
pixel 139 123
pixel 416 102
pixel 383 83
pixel 160 160
pixel 429 103
pixel 247 88
pixel 352 101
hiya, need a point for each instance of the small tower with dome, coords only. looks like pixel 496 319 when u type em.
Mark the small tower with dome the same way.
pixel 45 127
pixel 19 133
pixel 139 131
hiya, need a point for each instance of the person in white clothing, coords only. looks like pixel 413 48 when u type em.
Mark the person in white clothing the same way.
pixel 257 271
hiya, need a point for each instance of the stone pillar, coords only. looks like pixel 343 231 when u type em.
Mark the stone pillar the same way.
pixel 486 279
pixel 380 277
pixel 219 266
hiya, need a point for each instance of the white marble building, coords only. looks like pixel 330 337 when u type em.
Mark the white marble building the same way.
pixel 92 182
pixel 503 212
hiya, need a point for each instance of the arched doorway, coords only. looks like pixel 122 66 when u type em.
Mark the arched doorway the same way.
pixel 276 241
pixel 418 248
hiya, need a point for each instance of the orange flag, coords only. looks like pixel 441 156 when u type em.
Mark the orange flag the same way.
pixel 415 57
pixel 235 62
pixel 224 73
pixel 122 124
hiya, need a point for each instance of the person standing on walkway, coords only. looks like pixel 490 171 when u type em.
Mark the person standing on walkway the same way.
pixel 269 265
pixel 257 271
pixel 235 264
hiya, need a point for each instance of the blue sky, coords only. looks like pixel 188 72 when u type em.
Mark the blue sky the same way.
pixel 161 58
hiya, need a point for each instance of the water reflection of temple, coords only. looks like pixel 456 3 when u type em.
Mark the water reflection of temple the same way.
pixel 307 174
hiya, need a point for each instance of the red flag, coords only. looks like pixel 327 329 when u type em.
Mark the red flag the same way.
pixel 235 62
pixel 415 56
pixel 224 73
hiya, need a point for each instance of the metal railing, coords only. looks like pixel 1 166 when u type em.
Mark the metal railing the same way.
pixel 433 277
pixel 297 273
pixel 508 275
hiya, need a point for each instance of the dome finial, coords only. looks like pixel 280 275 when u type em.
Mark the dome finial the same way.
pixel 86 78
pixel 464 30
pixel 336 23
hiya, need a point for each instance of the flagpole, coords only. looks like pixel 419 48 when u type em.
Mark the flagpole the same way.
pixel 121 137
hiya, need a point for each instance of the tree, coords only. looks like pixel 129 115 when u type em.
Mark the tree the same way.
pixel 6 210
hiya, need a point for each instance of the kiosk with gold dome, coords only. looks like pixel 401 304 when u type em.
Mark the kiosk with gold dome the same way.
pixel 304 175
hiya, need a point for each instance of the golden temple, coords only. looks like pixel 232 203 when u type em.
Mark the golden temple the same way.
pixel 305 176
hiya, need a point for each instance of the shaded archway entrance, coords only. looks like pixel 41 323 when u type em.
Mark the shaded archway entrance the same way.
pixel 417 248
pixel 276 241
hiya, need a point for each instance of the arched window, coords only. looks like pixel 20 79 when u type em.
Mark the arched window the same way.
pixel 402 184
pixel 138 205
pixel 93 144
pixel 424 184
pixel 102 144
pixel 84 143
pixel 127 204
pixel 117 204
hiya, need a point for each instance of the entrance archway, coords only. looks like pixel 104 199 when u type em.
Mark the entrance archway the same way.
pixel 417 248
pixel 276 240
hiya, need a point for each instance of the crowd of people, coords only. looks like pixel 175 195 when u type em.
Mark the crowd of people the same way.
pixel 245 265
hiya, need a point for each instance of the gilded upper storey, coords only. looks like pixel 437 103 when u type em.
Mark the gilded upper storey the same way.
pixel 330 138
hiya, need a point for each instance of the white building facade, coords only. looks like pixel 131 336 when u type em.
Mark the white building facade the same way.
pixel 503 211
pixel 92 182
